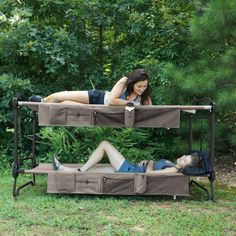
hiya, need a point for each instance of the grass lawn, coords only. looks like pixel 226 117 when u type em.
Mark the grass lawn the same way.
pixel 35 212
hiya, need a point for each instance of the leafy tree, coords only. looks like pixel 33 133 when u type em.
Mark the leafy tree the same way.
pixel 80 43
pixel 211 75
pixel 9 87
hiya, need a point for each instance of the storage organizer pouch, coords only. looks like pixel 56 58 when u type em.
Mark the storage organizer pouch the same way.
pixel 107 116
pixel 118 183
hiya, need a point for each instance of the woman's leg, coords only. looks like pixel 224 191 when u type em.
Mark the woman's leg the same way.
pixel 71 103
pixel 74 96
pixel 115 157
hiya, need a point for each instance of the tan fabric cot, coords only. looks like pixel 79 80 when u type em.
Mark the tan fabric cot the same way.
pixel 101 180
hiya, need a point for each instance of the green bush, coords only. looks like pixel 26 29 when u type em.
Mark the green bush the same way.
pixel 10 86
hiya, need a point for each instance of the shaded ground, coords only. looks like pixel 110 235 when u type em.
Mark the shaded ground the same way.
pixel 226 174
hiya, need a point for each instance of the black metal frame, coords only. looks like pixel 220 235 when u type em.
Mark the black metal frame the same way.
pixel 211 176
pixel 16 164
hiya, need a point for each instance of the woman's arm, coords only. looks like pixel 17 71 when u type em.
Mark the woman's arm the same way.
pixel 166 170
pixel 148 101
pixel 114 97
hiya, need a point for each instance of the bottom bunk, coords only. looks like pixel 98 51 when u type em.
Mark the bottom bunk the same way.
pixel 103 180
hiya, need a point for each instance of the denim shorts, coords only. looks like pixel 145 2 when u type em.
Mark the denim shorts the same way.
pixel 96 96
pixel 132 168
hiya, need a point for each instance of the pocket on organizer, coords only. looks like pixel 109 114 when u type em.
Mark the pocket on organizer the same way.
pixel 118 185
pixel 78 117
pixel 65 182
pixel 88 183
pixel 57 115
pixel 109 119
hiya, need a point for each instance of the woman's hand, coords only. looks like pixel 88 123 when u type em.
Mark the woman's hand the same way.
pixel 148 101
pixel 143 162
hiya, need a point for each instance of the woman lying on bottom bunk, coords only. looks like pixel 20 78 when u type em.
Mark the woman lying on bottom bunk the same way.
pixel 120 164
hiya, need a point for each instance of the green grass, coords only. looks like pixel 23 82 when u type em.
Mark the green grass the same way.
pixel 35 212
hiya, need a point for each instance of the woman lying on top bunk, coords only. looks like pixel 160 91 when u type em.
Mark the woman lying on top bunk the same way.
pixel 120 164
pixel 132 88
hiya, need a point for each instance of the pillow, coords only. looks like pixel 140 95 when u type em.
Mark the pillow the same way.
pixel 204 168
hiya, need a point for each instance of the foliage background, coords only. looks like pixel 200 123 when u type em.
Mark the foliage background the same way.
pixel 188 47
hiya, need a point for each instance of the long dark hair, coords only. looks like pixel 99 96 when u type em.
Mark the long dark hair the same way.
pixel 137 76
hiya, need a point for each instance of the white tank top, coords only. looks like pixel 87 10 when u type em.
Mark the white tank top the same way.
pixel 136 101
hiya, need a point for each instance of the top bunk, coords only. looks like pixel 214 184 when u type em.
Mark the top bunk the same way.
pixel 84 115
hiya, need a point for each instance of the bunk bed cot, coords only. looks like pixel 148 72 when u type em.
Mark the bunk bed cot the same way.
pixel 100 180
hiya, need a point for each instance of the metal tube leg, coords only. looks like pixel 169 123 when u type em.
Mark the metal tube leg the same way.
pixel 190 141
pixel 14 191
pixel 212 191
pixel 33 164
pixel 201 187
pixel 16 145
pixel 213 127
